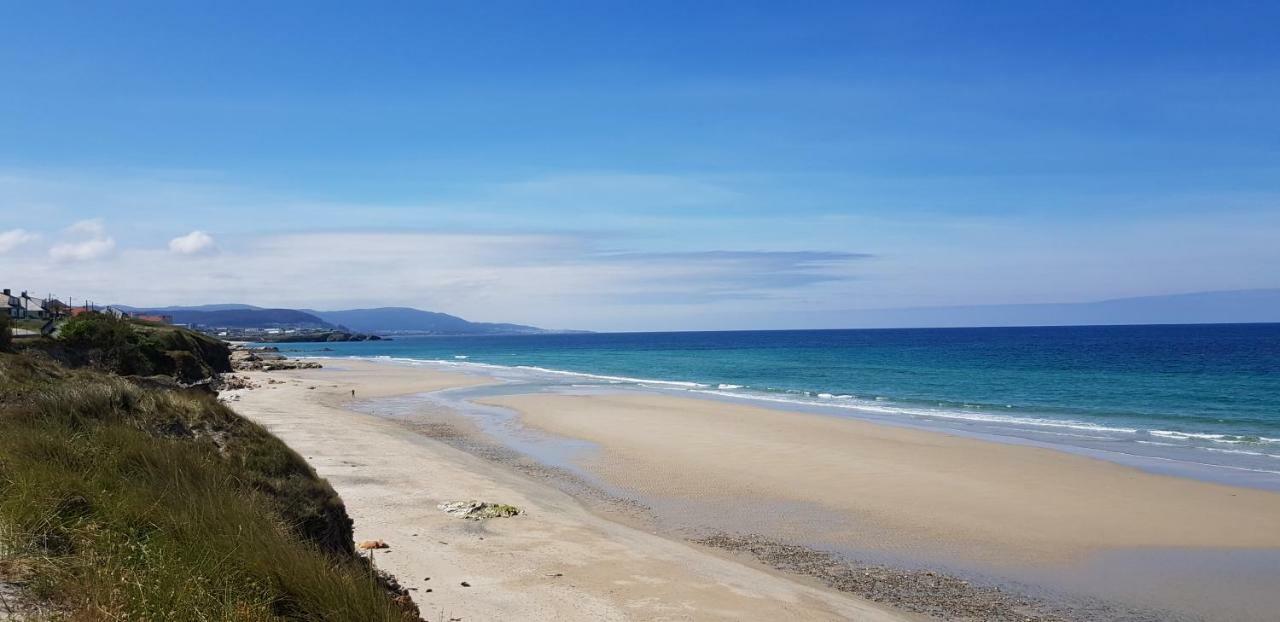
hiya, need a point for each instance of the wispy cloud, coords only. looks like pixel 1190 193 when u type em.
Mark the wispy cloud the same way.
pixel 82 251
pixel 705 276
pixel 559 280
pixel 93 228
pixel 13 238
pixel 88 240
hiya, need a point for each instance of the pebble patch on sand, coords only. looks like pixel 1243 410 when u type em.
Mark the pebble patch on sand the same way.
pixel 924 592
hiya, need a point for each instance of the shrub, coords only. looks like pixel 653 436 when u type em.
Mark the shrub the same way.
pixel 123 347
pixel 106 342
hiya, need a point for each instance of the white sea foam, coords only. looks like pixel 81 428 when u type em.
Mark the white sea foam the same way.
pixel 647 381
pixel 725 387
pixel 419 362
pixel 1216 438
pixel 1213 465
pixel 1093 437
pixel 1242 452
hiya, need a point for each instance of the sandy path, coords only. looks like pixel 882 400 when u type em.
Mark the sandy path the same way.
pixel 906 488
pixel 555 562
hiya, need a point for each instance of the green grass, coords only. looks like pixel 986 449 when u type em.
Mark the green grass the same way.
pixel 124 503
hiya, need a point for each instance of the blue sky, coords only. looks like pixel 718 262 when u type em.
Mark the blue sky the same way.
pixel 649 165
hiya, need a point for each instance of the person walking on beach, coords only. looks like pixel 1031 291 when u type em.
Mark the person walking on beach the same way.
pixel 353 393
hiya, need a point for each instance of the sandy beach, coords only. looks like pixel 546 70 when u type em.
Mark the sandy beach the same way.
pixel 556 561
pixel 920 497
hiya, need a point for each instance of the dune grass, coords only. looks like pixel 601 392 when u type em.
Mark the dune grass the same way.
pixel 124 503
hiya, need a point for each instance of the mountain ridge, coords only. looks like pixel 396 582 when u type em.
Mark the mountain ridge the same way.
pixel 378 320
pixel 235 316
pixel 393 320
pixel 1205 307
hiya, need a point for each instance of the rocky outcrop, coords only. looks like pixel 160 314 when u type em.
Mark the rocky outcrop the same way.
pixel 265 359
pixel 232 382
pixel 320 337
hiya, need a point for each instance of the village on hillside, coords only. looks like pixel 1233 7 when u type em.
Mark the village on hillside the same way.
pixel 40 315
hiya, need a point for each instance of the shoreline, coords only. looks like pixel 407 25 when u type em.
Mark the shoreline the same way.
pixel 458 430
pixel 1143 452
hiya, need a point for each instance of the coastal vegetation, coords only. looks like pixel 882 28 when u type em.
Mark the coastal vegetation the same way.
pixel 133 348
pixel 124 500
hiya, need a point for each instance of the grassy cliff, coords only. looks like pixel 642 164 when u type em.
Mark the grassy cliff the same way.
pixel 137 349
pixel 119 502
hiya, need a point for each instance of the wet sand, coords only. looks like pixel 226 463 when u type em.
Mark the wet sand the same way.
pixel 899 489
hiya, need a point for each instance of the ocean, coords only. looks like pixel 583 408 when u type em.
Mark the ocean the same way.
pixel 1192 400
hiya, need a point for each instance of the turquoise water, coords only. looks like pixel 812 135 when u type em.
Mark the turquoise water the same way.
pixel 1200 400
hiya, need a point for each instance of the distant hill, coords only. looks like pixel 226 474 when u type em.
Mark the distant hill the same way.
pixel 383 320
pixel 226 307
pixel 1237 306
pixel 408 320
pixel 237 316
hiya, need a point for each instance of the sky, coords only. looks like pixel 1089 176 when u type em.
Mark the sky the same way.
pixel 638 165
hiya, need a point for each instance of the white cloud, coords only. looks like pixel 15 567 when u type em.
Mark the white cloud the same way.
pixel 13 238
pixel 194 243
pixel 89 241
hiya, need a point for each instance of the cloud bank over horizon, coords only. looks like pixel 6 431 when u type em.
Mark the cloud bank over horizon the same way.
pixel 590 280
pixel 557 280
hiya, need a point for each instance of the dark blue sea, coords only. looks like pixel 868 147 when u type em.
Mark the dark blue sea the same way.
pixel 1201 400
